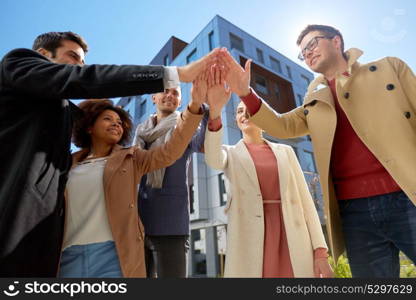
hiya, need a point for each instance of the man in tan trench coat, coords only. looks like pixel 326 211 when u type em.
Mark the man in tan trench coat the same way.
pixel 362 122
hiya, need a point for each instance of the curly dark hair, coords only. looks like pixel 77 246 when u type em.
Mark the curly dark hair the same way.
pixel 91 109
pixel 52 40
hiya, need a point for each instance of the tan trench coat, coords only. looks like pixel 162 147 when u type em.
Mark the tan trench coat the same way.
pixel 245 229
pixel 122 174
pixel 379 99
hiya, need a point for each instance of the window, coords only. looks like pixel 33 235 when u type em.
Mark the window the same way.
pixel 261 85
pixel 275 64
pixel 236 42
pixel 309 162
pixel 166 60
pixel 296 151
pixel 142 108
pixel 223 192
pixel 299 100
pixel 306 79
pixel 199 252
pixel 276 90
pixel 289 72
pixel 221 247
pixel 211 40
pixel 191 198
pixel 260 55
pixel 191 57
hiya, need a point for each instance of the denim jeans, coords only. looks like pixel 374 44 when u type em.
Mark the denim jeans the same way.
pixel 97 260
pixel 375 230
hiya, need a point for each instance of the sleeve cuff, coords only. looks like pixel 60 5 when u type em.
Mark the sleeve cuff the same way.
pixel 170 78
pixel 215 125
pixel 252 101
pixel 320 253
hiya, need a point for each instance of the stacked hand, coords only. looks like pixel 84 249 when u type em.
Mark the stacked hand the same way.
pixel 214 77
pixel 199 89
pixel 218 92
pixel 237 78
pixel 191 71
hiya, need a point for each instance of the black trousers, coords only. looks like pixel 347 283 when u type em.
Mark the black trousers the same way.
pixel 166 256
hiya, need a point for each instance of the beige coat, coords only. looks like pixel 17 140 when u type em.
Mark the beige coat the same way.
pixel 245 229
pixel 122 174
pixel 379 99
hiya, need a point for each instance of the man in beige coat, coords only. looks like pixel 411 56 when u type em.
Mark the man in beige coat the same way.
pixel 362 123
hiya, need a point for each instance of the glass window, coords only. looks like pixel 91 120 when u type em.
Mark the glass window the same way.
pixel 223 191
pixel 296 151
pixel 221 246
pixel 289 72
pixel 299 100
pixel 260 55
pixel 166 60
pixel 236 42
pixel 191 198
pixel 191 57
pixel 142 109
pixel 276 90
pixel 199 252
pixel 309 162
pixel 261 85
pixel 275 64
pixel 306 79
pixel 211 40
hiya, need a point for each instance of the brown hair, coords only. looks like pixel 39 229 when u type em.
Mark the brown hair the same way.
pixel 326 30
pixel 52 40
pixel 92 108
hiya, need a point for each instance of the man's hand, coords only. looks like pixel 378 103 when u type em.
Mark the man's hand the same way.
pixel 199 90
pixel 237 78
pixel 189 72
pixel 218 93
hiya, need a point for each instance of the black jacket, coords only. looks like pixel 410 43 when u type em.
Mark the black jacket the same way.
pixel 35 132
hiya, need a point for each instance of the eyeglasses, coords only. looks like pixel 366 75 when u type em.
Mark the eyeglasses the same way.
pixel 312 45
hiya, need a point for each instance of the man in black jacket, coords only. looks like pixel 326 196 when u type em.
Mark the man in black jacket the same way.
pixel 35 131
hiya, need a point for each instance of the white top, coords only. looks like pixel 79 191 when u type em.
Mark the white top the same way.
pixel 86 215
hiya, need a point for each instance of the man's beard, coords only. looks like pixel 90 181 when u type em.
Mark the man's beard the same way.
pixel 167 111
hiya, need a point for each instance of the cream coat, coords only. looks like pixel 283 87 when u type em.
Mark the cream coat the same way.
pixel 379 99
pixel 245 230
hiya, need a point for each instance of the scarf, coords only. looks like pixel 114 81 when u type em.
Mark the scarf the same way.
pixel 148 136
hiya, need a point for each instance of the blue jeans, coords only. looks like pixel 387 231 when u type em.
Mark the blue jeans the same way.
pixel 91 260
pixel 375 230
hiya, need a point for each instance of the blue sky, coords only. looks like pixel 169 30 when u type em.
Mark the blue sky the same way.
pixel 133 31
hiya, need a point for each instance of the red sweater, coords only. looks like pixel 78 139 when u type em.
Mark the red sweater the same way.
pixel 356 172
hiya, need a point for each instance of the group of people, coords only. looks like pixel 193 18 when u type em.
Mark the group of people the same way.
pixel 119 208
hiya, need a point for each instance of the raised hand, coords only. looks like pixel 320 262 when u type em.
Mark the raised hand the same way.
pixel 189 72
pixel 218 93
pixel 237 78
pixel 199 88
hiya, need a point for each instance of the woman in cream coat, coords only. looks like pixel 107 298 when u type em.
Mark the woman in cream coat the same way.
pixel 248 220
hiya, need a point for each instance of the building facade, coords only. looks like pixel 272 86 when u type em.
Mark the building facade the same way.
pixel 278 80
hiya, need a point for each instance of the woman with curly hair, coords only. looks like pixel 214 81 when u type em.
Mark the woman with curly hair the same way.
pixel 104 236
